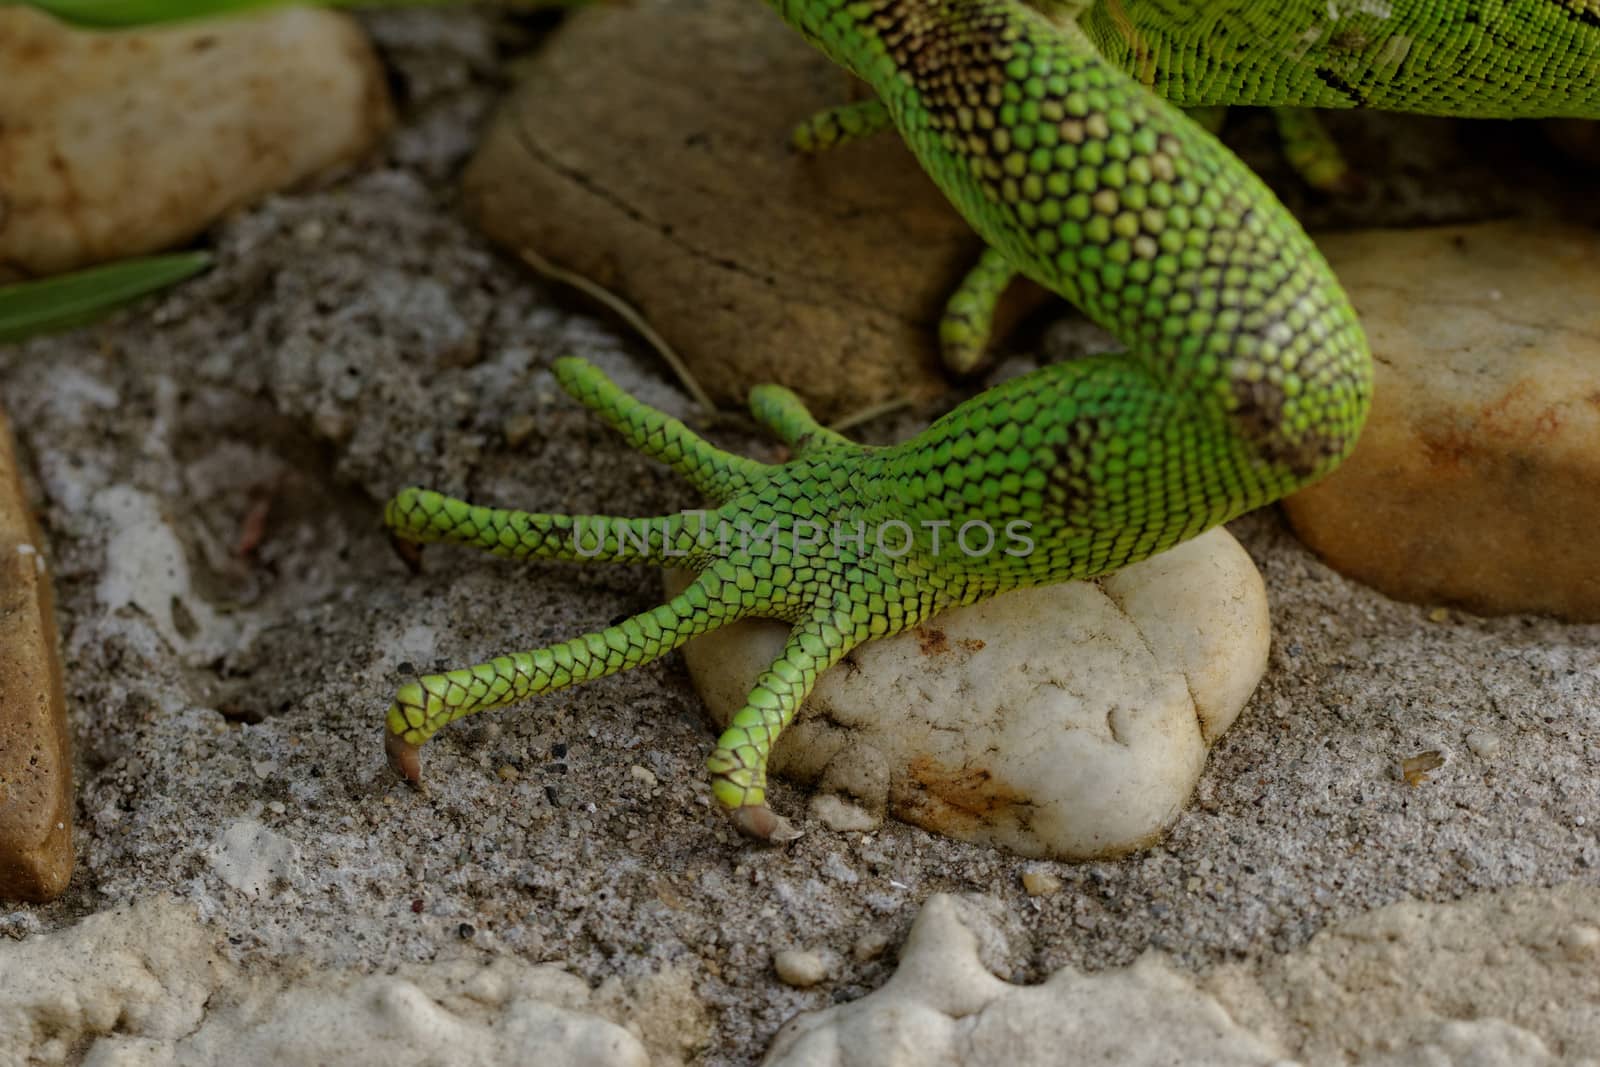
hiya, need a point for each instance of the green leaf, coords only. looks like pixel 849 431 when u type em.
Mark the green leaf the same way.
pixel 66 300
pixel 140 12
pixel 108 13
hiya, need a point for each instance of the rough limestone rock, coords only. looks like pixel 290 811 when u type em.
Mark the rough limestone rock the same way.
pixel 1496 980
pixel 943 1008
pixel 1477 479
pixel 115 144
pixel 1069 721
pixel 35 755
pixel 629 154
pixel 147 985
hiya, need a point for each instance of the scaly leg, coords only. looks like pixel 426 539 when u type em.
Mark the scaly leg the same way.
pixel 1313 152
pixel 709 469
pixel 1305 141
pixel 785 415
pixel 739 765
pixel 421 516
pixel 969 315
pixel 423 707
pixel 1246 376
pixel 840 125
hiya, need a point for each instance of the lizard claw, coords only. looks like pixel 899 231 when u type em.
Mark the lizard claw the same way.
pixel 403 757
pixel 759 822
pixel 410 553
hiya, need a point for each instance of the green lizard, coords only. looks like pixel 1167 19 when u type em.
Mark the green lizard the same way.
pixel 1246 374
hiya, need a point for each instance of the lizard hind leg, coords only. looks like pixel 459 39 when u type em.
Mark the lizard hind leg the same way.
pixel 1305 143
pixel 738 765
pixel 784 415
pixel 968 319
pixel 835 126
pixel 423 707
pixel 1313 153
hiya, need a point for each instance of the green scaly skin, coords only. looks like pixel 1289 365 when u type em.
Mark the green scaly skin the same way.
pixel 1468 58
pixel 1246 376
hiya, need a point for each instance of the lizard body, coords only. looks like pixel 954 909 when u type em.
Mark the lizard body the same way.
pixel 1468 58
pixel 1246 374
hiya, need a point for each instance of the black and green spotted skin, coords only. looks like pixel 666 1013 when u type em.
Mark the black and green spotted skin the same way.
pixel 1245 373
pixel 1090 185
pixel 1469 58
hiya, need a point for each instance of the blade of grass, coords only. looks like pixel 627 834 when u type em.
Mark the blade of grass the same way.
pixel 110 13
pixel 628 314
pixel 66 300
pixel 139 12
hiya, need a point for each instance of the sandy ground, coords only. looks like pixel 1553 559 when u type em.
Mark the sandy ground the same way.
pixel 360 337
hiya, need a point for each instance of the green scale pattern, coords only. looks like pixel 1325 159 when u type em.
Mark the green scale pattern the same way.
pixel 1469 58
pixel 1246 374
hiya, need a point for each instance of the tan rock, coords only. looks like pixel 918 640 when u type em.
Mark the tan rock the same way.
pixel 115 144
pixel 1477 479
pixel 1069 721
pixel 35 757
pixel 646 149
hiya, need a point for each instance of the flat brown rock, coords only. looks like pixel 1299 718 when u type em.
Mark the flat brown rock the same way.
pixel 35 757
pixel 646 149
pixel 1477 479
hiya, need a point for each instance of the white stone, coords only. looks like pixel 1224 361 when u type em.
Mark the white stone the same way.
pixel 942 1008
pixel 798 968
pixel 239 107
pixel 1488 981
pixel 1040 883
pixel 1068 721
pixel 147 570
pixel 147 986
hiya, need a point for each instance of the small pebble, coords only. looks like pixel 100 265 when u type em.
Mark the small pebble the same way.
pixel 1415 769
pixel 518 428
pixel 1483 743
pixel 798 968
pixel 264 768
pixel 1040 883
pixel 841 816
pixel 643 776
pixel 507 773
pixel 869 946
pixel 332 425
pixel 1581 942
